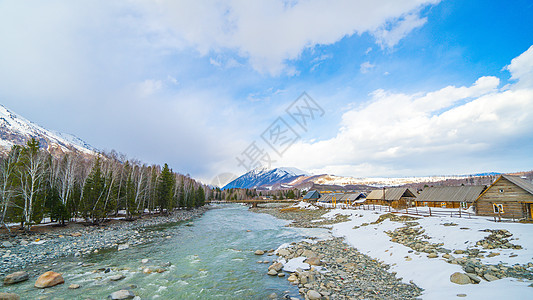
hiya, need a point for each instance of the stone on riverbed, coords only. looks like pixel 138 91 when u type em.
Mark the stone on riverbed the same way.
pixel 276 266
pixel 9 296
pixel 490 277
pixel 460 278
pixel 7 244
pixel 16 277
pixel 284 252
pixel 74 286
pixel 313 295
pixel 117 277
pixel 122 294
pixel 272 272
pixel 314 261
pixel 49 279
pixel 123 247
pixel 144 261
pixel 259 252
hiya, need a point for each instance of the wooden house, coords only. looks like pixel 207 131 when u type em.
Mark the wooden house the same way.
pixel 508 197
pixel 449 196
pixel 312 196
pixel 352 198
pixel 397 198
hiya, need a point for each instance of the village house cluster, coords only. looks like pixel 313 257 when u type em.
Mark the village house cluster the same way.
pixel 509 197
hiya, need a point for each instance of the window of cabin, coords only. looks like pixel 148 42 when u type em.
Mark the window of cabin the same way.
pixel 464 205
pixel 443 204
pixel 425 204
pixel 498 208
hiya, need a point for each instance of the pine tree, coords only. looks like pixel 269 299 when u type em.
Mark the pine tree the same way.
pixel 200 196
pixel 93 193
pixel 165 187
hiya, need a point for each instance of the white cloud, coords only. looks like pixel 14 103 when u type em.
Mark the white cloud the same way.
pixel 366 66
pixel 521 68
pixel 451 130
pixel 271 33
pixel 388 38
pixel 150 87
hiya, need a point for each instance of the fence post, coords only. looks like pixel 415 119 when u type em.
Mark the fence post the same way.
pixel 429 211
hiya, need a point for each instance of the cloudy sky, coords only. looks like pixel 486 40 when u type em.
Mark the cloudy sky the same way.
pixel 399 88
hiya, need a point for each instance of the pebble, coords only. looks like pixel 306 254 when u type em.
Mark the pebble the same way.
pixel 74 286
pixel 259 252
pixel 117 277
pixel 9 296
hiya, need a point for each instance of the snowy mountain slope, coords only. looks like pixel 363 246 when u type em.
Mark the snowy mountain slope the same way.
pixel 282 178
pixel 16 130
pixel 266 178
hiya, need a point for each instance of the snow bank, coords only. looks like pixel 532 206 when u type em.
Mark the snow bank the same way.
pixel 305 205
pixel 433 275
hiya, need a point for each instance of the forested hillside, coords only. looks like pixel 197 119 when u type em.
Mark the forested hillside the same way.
pixel 35 185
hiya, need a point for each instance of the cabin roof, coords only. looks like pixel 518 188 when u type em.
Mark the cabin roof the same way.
pixel 468 193
pixel 521 182
pixel 391 194
pixel 312 195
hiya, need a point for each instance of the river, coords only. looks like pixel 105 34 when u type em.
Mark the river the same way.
pixel 212 257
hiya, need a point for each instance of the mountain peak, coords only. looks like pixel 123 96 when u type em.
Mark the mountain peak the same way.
pixel 266 177
pixel 16 130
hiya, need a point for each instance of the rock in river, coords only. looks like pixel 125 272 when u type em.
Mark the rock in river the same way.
pixel 123 247
pixel 122 294
pixel 259 252
pixel 49 279
pixel 117 277
pixel 16 277
pixel 9 296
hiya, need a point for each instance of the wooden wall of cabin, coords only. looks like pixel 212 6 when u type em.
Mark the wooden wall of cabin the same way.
pixel 512 197
pixel 510 209
pixel 449 204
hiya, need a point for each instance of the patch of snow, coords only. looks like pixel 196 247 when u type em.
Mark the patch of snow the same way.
pixel 305 205
pixel 296 263
pixel 433 275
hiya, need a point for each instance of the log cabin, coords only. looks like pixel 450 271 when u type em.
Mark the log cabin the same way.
pixel 508 197
pixel 312 196
pixel 397 198
pixel 449 196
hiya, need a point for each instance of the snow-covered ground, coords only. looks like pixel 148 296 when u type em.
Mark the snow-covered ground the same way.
pixel 433 274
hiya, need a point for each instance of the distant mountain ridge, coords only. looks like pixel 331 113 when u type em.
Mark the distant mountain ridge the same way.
pixel 265 178
pixel 17 130
pixel 279 178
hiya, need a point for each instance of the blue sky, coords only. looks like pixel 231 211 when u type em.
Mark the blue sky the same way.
pixel 409 88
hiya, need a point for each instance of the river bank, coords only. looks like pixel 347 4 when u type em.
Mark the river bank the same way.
pixel 332 269
pixel 22 250
pixel 211 257
pixel 428 257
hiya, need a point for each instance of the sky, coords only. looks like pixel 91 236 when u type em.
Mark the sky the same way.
pixel 353 88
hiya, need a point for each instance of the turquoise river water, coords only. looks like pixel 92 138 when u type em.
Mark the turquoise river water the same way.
pixel 212 257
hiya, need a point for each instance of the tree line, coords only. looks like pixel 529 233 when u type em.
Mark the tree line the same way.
pixel 35 184
pixel 237 194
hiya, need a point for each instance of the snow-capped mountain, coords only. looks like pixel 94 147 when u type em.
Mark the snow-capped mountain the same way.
pixel 16 130
pixel 281 178
pixel 266 178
